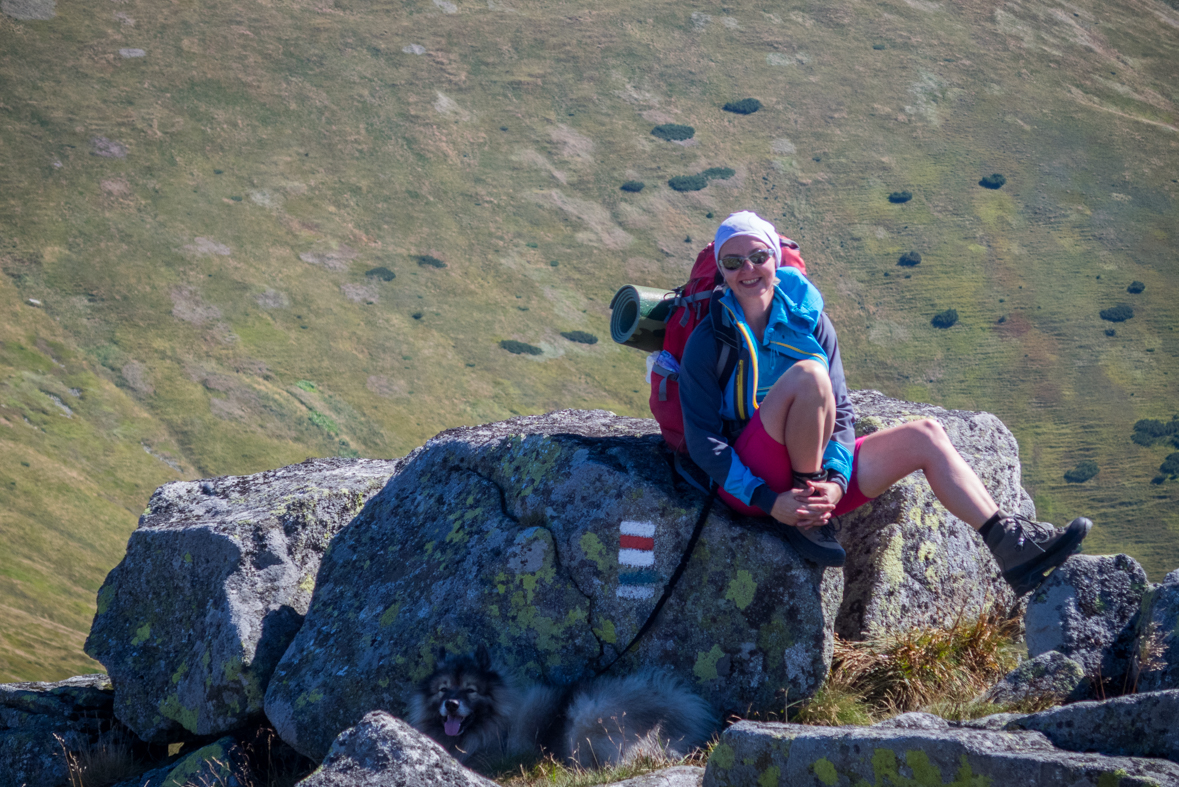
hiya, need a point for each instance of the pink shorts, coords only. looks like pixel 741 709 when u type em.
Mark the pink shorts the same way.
pixel 767 459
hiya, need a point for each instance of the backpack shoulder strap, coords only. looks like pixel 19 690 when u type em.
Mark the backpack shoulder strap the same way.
pixel 728 344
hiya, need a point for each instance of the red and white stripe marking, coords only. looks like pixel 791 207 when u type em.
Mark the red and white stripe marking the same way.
pixel 636 549
pixel 637 544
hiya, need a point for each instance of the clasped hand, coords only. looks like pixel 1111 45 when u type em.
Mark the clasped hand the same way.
pixel 807 508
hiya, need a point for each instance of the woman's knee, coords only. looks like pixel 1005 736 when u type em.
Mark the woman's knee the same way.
pixel 928 434
pixel 807 378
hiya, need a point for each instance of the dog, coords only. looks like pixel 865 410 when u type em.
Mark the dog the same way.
pixel 480 713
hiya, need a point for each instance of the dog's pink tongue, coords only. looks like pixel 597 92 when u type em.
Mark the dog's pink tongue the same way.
pixel 452 725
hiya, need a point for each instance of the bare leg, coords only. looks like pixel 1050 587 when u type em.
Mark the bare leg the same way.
pixel 799 412
pixel 889 455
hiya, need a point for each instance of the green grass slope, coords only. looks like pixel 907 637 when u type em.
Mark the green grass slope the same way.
pixel 202 225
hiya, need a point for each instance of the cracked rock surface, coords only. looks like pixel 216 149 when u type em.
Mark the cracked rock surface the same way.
pixel 1087 610
pixel 212 589
pixel 910 563
pixel 548 539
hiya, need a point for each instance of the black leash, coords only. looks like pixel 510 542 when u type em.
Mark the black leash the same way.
pixel 705 510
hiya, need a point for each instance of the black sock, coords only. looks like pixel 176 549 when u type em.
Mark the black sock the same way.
pixel 800 479
pixel 985 530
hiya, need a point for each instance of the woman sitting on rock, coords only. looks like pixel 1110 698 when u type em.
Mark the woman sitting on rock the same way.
pixel 777 436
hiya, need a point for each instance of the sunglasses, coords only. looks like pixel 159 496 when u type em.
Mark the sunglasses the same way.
pixel 733 262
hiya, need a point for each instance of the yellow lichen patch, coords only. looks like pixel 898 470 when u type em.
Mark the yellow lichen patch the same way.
pixel 105 596
pixel 141 634
pixel 606 632
pixel 390 614
pixel 741 589
pixel 179 673
pixel 723 756
pixel 769 777
pixel 591 545
pixel 185 717
pixel 705 668
pixel 825 771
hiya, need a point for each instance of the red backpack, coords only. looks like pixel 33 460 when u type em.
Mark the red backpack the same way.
pixel 692 306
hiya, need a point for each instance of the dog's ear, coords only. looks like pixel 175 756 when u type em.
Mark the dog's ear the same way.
pixel 482 657
pixel 440 655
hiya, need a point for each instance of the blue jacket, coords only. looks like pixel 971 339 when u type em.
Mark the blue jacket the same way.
pixel 715 411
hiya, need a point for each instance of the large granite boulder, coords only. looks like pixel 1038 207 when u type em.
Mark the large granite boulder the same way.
pixel 910 563
pixel 212 589
pixel 1087 610
pixel 40 722
pixel 1138 725
pixel 1157 648
pixel 753 753
pixel 549 539
pixel 383 750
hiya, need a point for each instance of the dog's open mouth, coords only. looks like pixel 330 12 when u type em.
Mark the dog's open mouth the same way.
pixel 453 724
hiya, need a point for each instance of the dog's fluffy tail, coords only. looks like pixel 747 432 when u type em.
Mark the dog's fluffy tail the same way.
pixel 649 713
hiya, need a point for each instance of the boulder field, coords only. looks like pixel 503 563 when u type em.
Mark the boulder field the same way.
pixel 312 596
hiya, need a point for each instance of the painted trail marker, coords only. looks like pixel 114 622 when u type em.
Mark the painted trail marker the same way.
pixel 636 550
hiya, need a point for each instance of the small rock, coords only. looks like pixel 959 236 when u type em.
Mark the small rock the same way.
pixel 413 49
pixel 107 148
pixel 131 52
pixel 1050 674
pixel 29 10
pixel 34 302
pixel 384 750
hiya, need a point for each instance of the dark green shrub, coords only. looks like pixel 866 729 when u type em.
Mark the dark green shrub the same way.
pixel 746 106
pixel 688 182
pixel 1081 473
pixel 994 181
pixel 673 132
pixel 945 319
pixel 382 273
pixel 581 337
pixel 1110 332
pixel 1135 287
pixel 1170 466
pixel 520 348
pixel 1119 313
pixel 719 173
pixel 416 315
pixel 633 186
pixel 898 197
pixel 909 259
pixel 878 47
pixel 426 261
pixel 1148 431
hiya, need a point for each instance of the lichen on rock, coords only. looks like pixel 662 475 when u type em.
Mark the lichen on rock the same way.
pixel 549 539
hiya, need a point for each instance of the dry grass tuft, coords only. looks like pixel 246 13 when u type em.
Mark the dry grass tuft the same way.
pixel 550 773
pixel 100 764
pixel 939 670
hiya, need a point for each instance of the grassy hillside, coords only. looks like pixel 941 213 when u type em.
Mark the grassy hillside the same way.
pixel 303 227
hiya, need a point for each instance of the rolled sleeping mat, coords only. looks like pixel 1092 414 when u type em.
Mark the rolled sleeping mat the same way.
pixel 638 316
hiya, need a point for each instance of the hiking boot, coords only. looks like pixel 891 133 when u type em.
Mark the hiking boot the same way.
pixel 816 544
pixel 1027 550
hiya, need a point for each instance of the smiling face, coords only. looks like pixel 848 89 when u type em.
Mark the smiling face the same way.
pixel 752 284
